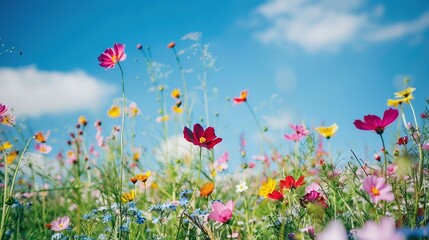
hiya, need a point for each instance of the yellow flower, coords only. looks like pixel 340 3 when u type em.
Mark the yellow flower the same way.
pixel 327 132
pixel 11 157
pixel 6 145
pixel 82 120
pixel 177 109
pixel 175 93
pixel 129 196
pixel 394 102
pixel 406 93
pixel 268 187
pixel 114 112
pixel 206 189
pixel 136 156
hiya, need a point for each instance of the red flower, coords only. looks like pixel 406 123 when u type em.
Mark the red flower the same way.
pixel 112 56
pixel 313 197
pixel 290 183
pixel 200 137
pixel 242 98
pixel 276 195
pixel 403 140
pixel 374 123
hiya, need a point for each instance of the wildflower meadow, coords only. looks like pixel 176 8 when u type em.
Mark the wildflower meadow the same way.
pixel 103 187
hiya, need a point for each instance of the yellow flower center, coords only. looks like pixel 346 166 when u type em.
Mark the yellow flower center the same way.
pixel 202 139
pixel 375 191
pixel 114 59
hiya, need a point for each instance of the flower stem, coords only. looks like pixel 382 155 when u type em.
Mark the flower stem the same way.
pixel 122 144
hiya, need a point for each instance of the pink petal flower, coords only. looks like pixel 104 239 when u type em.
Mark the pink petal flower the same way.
pixel 112 56
pixel 60 224
pixel 378 189
pixel 385 230
pixel 220 212
pixel 374 123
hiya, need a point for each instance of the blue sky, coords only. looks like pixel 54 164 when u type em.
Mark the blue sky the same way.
pixel 316 62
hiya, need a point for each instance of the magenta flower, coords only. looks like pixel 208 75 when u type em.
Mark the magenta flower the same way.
pixel 200 137
pixel 220 212
pixel 299 132
pixel 3 109
pixel 378 189
pixel 60 224
pixel 112 56
pixel 385 230
pixel 374 123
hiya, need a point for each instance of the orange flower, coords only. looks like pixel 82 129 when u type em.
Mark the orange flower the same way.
pixel 42 138
pixel 206 189
pixel 242 98
pixel 141 177
pixel 171 45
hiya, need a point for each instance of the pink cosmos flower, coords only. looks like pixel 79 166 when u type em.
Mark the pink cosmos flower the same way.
pixel 43 148
pixel 385 230
pixel 375 123
pixel 378 189
pixel 3 109
pixel 425 146
pixel 335 230
pixel 60 224
pixel 112 56
pixel 299 132
pixel 220 212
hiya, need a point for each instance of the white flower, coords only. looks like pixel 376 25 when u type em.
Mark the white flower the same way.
pixel 241 187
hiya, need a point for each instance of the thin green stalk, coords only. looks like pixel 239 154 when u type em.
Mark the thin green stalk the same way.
pixel 122 143
pixel 6 180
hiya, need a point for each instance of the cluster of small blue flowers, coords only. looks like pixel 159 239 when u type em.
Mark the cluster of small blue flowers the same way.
pixel 415 233
pixel 183 197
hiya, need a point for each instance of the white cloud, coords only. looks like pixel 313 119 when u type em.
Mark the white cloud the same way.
pixel 329 24
pixel 324 25
pixel 278 121
pixel 400 29
pixel 32 92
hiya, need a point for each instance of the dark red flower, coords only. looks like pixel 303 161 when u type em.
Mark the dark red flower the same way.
pixel 200 137
pixel 276 195
pixel 403 140
pixel 375 123
pixel 290 183
pixel 313 197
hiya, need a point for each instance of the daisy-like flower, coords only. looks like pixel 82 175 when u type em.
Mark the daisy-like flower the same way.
pixel 129 196
pixel 43 148
pixel 242 187
pixel 378 189
pixel 175 93
pixel 112 56
pixel 141 177
pixel 60 224
pixel 327 132
pixel 206 189
pixel 242 98
pixel 385 230
pixel 220 212
pixel 290 183
pixel 114 111
pixel 200 137
pixel 6 145
pixel 267 187
pixel 375 123
pixel 177 109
